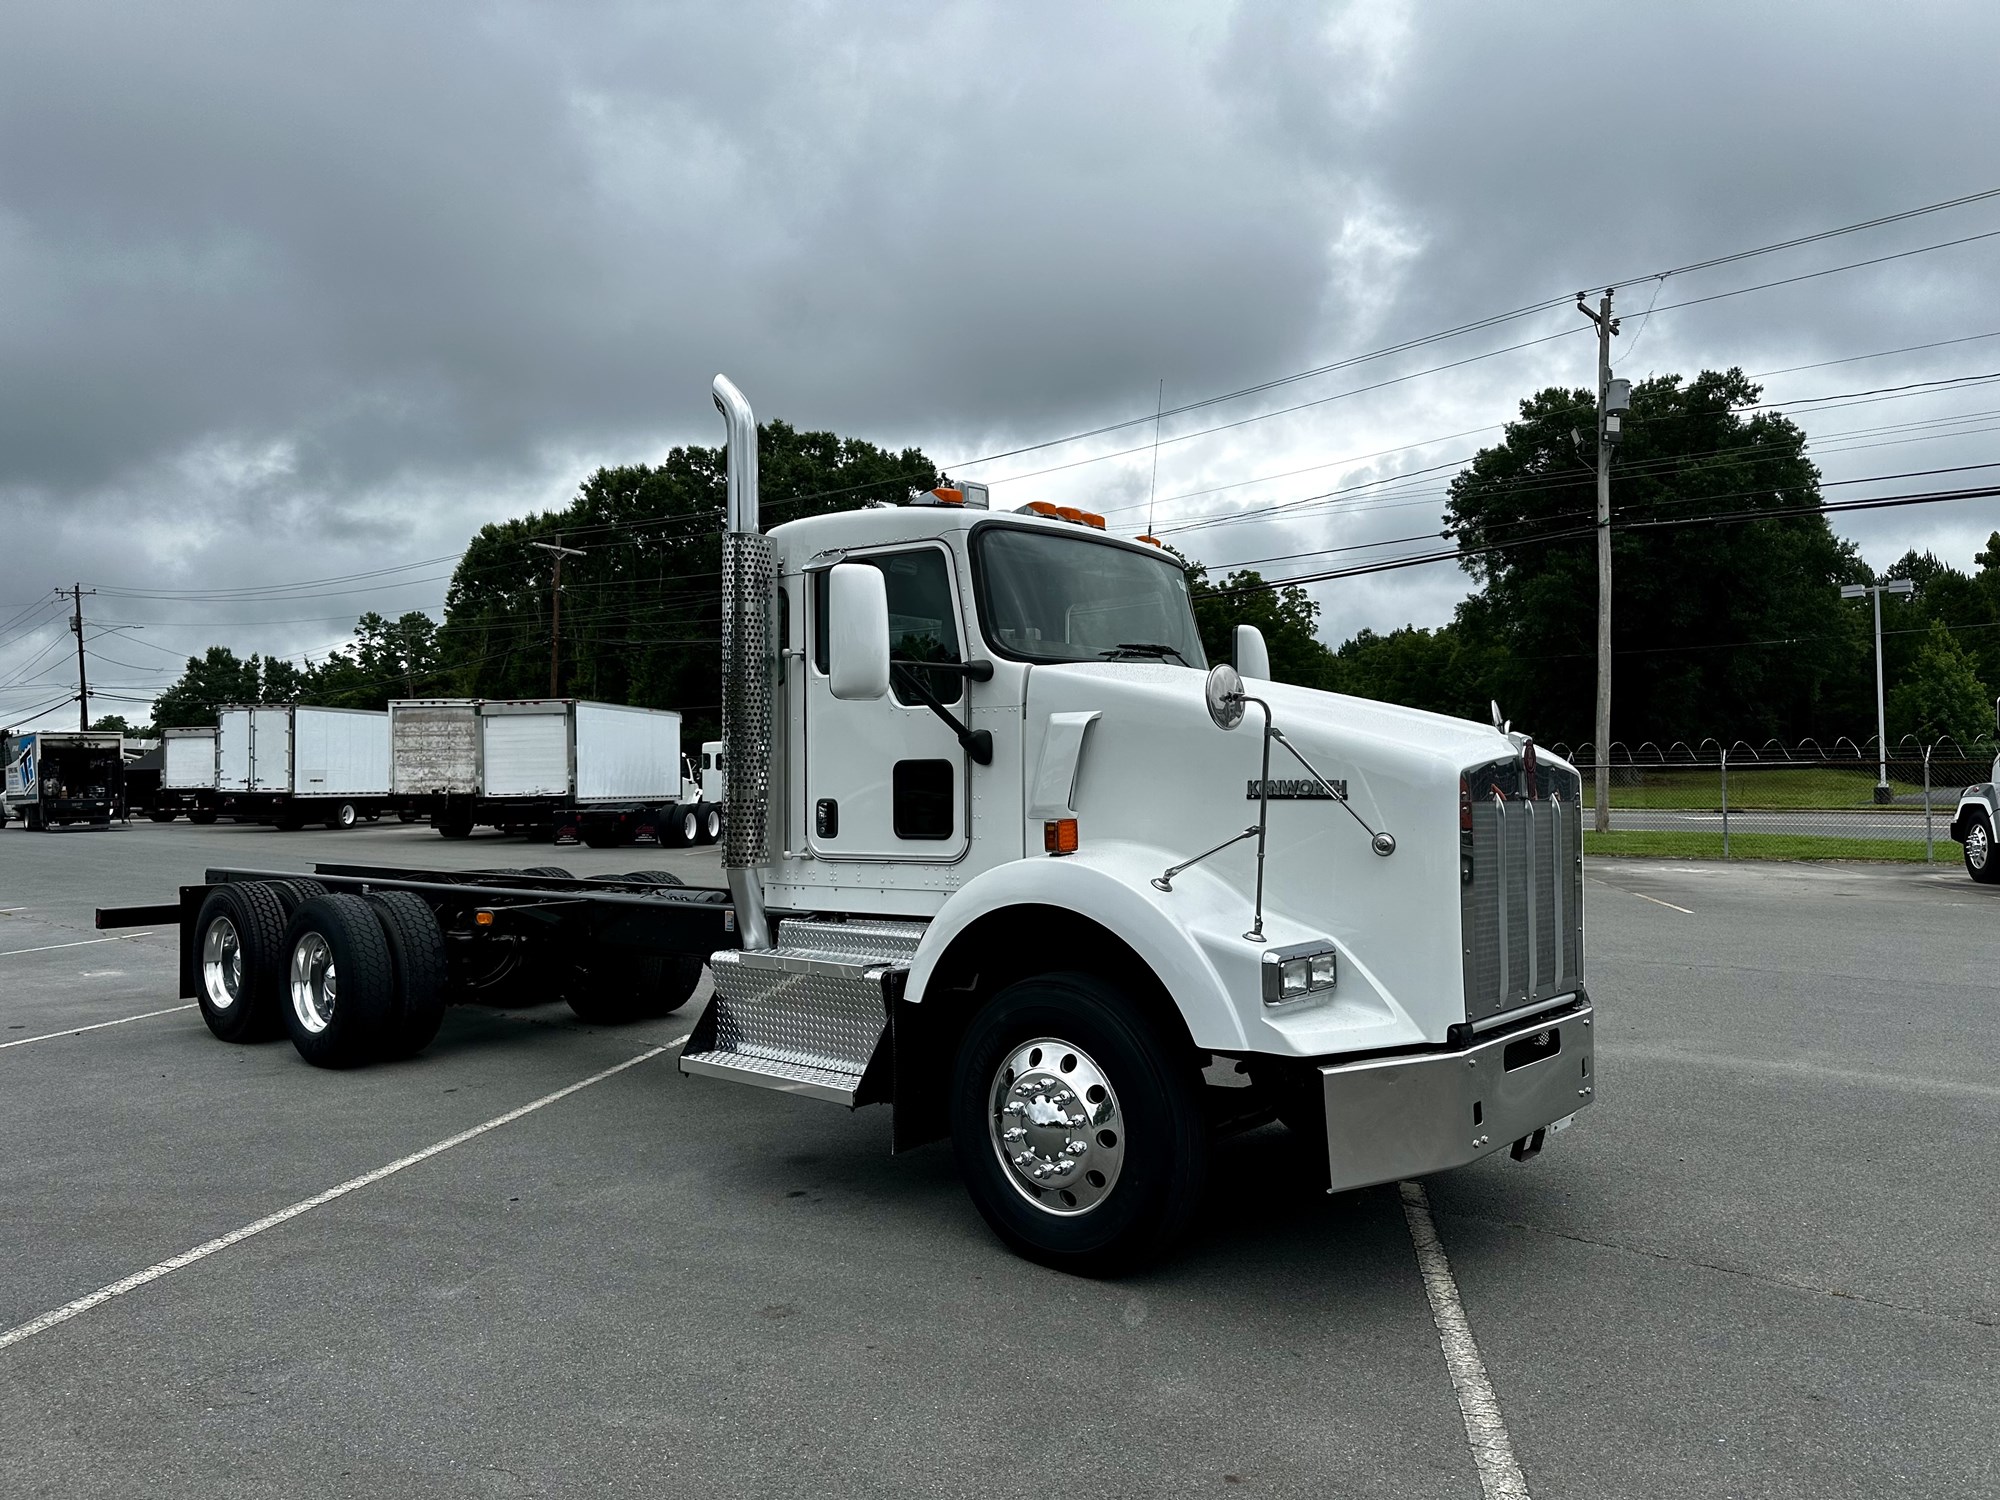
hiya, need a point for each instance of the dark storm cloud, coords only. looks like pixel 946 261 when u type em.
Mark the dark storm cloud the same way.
pixel 291 290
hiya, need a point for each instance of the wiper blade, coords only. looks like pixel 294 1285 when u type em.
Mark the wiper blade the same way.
pixel 1150 649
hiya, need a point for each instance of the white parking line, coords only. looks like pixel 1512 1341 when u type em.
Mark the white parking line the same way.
pixel 186 1258
pixel 118 937
pixel 1500 1477
pixel 1658 902
pixel 50 1036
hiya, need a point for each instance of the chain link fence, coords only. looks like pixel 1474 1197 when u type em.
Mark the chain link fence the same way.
pixel 1804 800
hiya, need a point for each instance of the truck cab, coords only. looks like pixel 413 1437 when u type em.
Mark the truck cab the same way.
pixel 1007 852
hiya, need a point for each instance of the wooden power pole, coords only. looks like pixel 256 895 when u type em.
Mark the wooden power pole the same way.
pixel 1607 437
pixel 555 611
pixel 76 593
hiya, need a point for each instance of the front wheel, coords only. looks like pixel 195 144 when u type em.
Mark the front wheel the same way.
pixel 1078 1129
pixel 1982 860
pixel 343 816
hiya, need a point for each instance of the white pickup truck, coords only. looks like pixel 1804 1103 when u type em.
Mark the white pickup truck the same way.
pixel 1976 819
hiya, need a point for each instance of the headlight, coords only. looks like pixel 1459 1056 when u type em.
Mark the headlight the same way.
pixel 1294 972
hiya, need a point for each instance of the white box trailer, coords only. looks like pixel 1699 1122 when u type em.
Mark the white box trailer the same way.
pixel 600 773
pixel 298 763
pixel 187 775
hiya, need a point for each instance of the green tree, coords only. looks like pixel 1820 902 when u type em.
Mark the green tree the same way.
pixel 216 677
pixel 641 613
pixel 1734 628
pixel 114 721
pixel 1942 693
pixel 1286 617
pixel 1446 670
pixel 398 658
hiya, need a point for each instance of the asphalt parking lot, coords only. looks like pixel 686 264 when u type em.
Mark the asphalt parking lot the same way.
pixel 1759 1266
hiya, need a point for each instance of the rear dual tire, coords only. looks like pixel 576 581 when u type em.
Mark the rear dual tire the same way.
pixel 240 961
pixel 615 989
pixel 351 979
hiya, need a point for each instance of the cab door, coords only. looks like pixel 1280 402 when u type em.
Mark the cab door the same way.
pixel 888 780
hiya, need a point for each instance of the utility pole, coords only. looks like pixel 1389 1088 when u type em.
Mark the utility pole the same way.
pixel 1883 794
pixel 555 609
pixel 1608 424
pixel 76 593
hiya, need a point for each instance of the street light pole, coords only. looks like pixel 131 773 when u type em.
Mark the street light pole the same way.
pixel 555 610
pixel 1855 591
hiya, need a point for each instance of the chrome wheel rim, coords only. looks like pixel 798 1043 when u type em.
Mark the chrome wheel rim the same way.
pixel 714 824
pixel 689 828
pixel 222 963
pixel 1978 846
pixel 1054 1121
pixel 315 986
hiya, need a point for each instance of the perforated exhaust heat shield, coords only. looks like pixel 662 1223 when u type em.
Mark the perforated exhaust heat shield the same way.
pixel 749 569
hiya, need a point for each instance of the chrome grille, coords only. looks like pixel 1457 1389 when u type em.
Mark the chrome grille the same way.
pixel 1521 896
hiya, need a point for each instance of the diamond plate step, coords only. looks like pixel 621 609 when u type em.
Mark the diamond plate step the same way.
pixel 798 1020
pixel 882 939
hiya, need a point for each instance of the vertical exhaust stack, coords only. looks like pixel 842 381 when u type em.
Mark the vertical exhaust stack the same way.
pixel 749 569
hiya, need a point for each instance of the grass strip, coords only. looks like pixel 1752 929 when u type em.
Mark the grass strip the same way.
pixel 1664 845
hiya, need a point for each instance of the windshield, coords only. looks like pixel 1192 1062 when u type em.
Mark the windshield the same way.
pixel 1048 597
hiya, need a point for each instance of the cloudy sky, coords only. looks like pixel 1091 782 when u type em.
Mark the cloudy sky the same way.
pixel 292 293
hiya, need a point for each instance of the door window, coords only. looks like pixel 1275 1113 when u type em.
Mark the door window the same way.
pixel 923 622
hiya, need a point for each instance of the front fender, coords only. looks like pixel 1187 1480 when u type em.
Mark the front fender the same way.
pixel 1984 798
pixel 1192 938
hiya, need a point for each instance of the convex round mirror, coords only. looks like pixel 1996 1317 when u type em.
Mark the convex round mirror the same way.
pixel 1224 693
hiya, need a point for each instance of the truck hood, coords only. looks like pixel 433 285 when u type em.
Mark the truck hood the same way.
pixel 1156 782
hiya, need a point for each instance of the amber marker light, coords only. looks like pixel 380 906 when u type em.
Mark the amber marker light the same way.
pixel 1059 836
pixel 482 919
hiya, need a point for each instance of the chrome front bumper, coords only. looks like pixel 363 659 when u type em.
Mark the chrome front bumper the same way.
pixel 1396 1117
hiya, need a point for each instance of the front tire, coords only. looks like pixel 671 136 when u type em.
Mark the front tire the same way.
pixel 343 816
pixel 1982 858
pixel 1112 1147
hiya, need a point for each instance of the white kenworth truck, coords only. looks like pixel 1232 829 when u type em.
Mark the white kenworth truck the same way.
pixel 1005 853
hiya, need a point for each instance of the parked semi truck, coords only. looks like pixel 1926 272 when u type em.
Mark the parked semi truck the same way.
pixel 559 768
pixel 56 777
pixel 293 764
pixel 1977 819
pixel 1005 853
pixel 187 775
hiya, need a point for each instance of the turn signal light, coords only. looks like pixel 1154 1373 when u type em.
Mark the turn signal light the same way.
pixel 1059 836
pixel 482 919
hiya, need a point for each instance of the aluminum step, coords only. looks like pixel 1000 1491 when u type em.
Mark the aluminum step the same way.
pixel 883 939
pixel 798 1020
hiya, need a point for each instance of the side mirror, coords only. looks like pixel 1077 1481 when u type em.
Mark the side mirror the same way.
pixel 857 612
pixel 1224 693
pixel 1253 657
